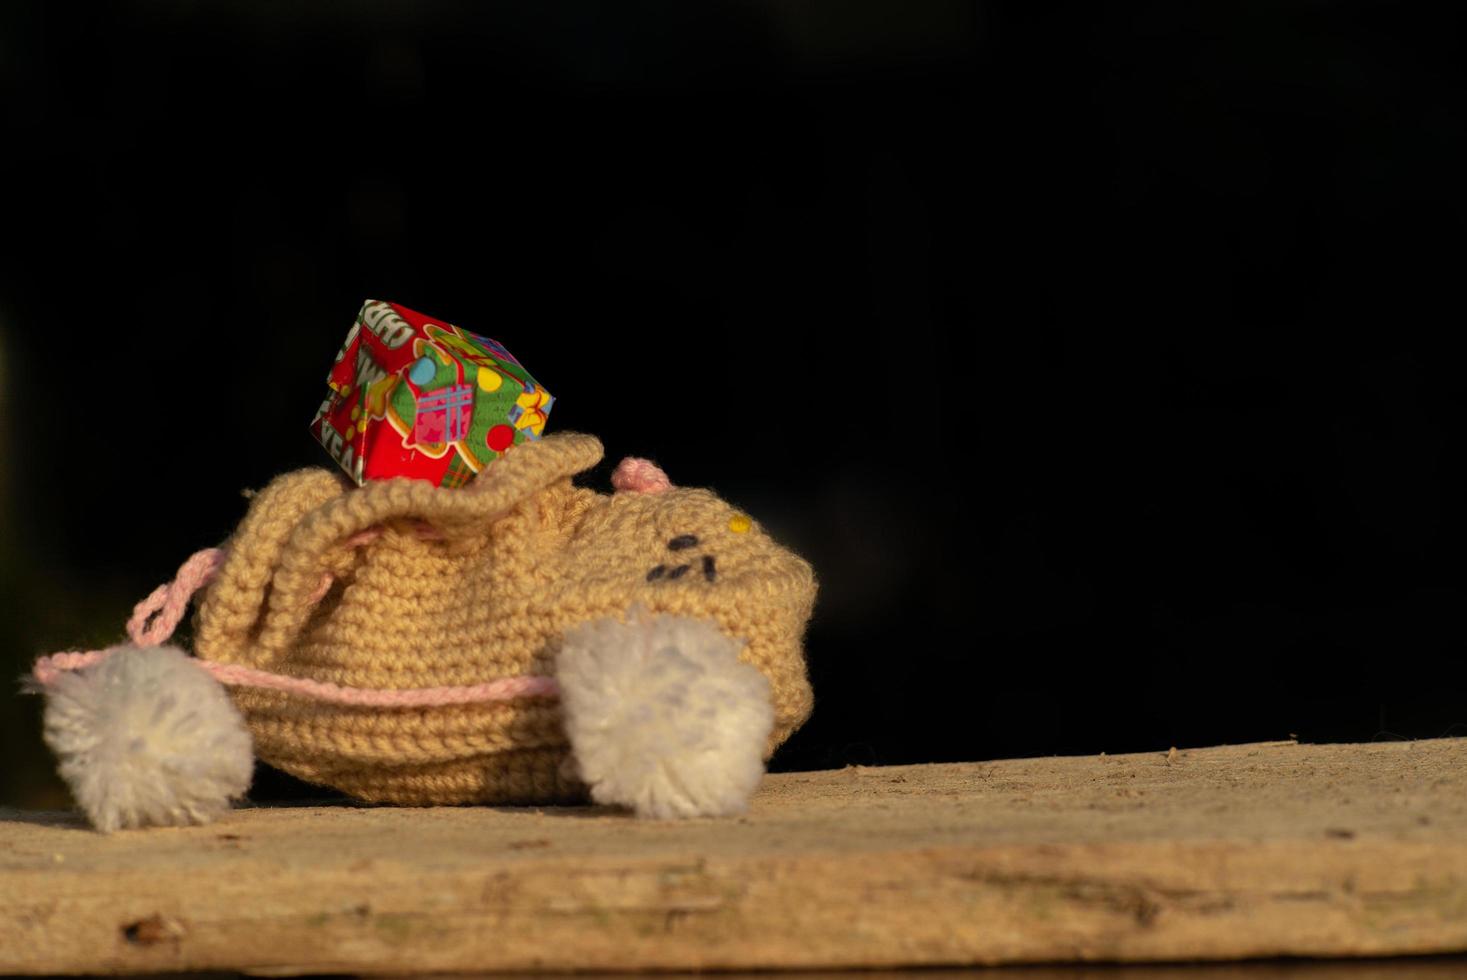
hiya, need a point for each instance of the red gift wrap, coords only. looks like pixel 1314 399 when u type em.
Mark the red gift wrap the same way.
pixel 415 397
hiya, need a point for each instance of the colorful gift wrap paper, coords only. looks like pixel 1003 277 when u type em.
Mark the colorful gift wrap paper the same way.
pixel 411 396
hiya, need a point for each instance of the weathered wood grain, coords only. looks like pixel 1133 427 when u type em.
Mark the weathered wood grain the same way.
pixel 1222 853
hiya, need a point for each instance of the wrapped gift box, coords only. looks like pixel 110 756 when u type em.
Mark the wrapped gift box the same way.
pixel 411 396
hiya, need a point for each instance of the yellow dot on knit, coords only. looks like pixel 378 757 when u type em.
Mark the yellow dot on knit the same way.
pixel 362 426
pixel 356 411
pixel 489 379
pixel 385 636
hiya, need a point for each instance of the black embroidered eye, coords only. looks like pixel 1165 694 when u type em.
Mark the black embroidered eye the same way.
pixel 679 572
pixel 656 573
pixel 682 541
pixel 710 571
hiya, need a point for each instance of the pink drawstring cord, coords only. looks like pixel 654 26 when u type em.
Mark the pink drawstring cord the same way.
pixel 169 602
pixel 425 532
pixel 156 617
pixel 47 669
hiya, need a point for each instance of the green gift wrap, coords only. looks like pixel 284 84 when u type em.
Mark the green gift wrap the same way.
pixel 420 398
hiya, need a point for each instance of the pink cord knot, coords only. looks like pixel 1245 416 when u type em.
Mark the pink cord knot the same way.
pixel 634 475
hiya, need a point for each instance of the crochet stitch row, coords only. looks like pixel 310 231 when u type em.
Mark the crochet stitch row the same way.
pixel 156 617
pixel 398 641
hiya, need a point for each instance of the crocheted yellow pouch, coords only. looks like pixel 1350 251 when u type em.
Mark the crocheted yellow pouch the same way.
pixel 517 640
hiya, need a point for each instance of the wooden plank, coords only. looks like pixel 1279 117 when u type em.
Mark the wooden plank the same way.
pixel 1221 853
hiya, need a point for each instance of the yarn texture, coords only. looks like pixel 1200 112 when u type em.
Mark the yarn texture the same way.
pixel 145 738
pixel 662 717
pixel 514 561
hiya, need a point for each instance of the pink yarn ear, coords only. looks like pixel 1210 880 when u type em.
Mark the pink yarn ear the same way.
pixel 633 475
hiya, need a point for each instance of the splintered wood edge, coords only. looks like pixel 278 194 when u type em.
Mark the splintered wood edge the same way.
pixel 1213 854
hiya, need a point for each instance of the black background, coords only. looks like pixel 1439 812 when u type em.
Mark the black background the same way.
pixel 1101 359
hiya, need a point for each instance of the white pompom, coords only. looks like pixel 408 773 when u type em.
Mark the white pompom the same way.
pixel 147 738
pixel 662 717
